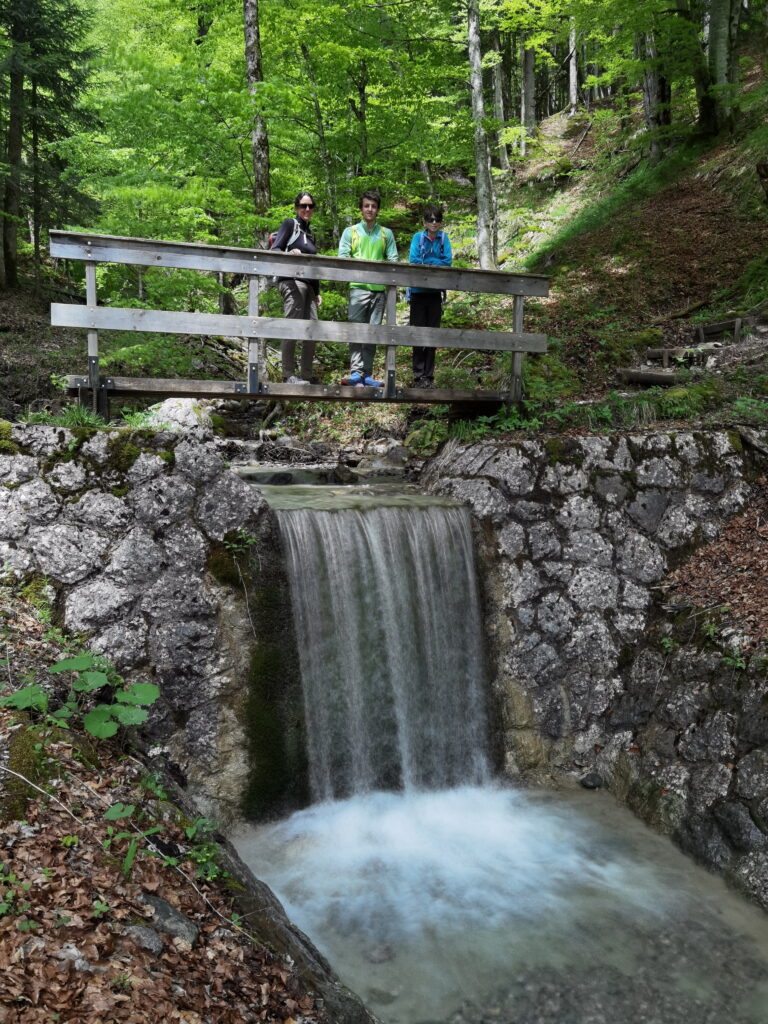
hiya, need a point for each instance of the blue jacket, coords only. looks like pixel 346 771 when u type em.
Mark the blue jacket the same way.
pixel 435 253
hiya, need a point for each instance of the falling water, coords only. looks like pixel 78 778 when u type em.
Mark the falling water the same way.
pixel 440 896
pixel 387 617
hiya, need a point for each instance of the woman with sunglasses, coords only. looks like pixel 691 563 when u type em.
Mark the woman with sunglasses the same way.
pixel 431 247
pixel 300 297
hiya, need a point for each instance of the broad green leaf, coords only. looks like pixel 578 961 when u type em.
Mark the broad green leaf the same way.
pixel 128 715
pixel 139 693
pixel 86 682
pixel 78 664
pixel 29 697
pixel 119 810
pixel 99 723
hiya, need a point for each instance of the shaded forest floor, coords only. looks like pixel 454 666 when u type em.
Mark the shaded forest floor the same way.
pixel 79 936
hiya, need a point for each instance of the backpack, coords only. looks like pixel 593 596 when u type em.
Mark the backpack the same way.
pixel 423 245
pixel 356 239
pixel 272 281
pixel 422 249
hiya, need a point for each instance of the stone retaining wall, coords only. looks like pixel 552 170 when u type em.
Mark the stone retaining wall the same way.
pixel 576 536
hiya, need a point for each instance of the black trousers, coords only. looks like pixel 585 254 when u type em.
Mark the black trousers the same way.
pixel 426 311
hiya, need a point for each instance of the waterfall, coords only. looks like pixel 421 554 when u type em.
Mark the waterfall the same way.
pixel 387 620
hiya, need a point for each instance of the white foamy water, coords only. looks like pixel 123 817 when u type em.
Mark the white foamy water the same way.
pixel 422 901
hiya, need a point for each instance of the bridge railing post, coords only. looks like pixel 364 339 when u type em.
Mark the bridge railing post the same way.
pixel 93 335
pixel 516 383
pixel 390 384
pixel 254 344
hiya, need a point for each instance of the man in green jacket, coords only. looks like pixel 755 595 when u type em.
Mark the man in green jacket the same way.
pixel 366 241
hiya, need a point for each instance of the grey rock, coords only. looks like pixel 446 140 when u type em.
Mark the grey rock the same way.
pixel 146 467
pixel 124 643
pixel 17 469
pixel 578 513
pixel 15 560
pixel 136 559
pixel 588 546
pixel 96 448
pixel 31 503
pixel 67 477
pixel 67 553
pixel 555 615
pixel 611 489
pixel 713 483
pixel 564 479
pixel 41 439
pixel 739 828
pixel 593 588
pixel 544 541
pixel 592 780
pixel 174 591
pixel 163 501
pixel 486 501
pixel 95 604
pixel 170 920
pixel 659 472
pixel 227 504
pixel 185 415
pixel 197 462
pixel 640 558
pixel 146 938
pixel 513 468
pixel 101 510
pixel 511 540
pixel 648 508
pixel 752 775
pixel 185 548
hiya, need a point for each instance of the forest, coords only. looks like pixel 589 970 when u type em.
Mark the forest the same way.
pixel 531 122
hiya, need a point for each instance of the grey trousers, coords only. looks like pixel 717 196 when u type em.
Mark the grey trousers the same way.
pixel 298 304
pixel 365 307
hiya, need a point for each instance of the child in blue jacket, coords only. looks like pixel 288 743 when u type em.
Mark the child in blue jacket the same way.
pixel 431 247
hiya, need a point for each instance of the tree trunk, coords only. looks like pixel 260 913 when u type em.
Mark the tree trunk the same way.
pixel 12 196
pixel 326 161
pixel 37 213
pixel 657 95
pixel 721 58
pixel 259 141
pixel 360 110
pixel 486 227
pixel 573 71
pixel 498 98
pixel 527 95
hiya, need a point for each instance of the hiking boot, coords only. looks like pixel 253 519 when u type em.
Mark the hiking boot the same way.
pixel 371 383
pixel 293 379
pixel 354 380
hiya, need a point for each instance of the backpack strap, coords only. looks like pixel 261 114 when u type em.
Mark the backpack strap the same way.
pixel 423 243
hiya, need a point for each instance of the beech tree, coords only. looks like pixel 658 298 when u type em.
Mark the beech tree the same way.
pixel 486 214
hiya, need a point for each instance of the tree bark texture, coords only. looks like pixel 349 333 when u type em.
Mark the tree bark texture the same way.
pixel 573 71
pixel 259 139
pixel 498 99
pixel 527 94
pixel 486 227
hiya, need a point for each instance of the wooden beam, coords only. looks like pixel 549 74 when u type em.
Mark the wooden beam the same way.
pixel 231 260
pixel 170 322
pixel 156 387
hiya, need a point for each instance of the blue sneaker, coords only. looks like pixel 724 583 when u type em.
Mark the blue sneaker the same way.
pixel 371 383
pixel 354 380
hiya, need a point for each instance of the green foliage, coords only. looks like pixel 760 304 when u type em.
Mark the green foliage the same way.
pixel 426 436
pixel 89 675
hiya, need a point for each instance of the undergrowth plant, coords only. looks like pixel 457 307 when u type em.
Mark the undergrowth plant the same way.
pixel 89 675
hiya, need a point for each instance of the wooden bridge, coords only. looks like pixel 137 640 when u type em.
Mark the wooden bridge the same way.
pixel 256 265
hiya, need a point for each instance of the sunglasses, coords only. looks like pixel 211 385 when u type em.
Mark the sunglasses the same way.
pixel 433 220
pixel 306 206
